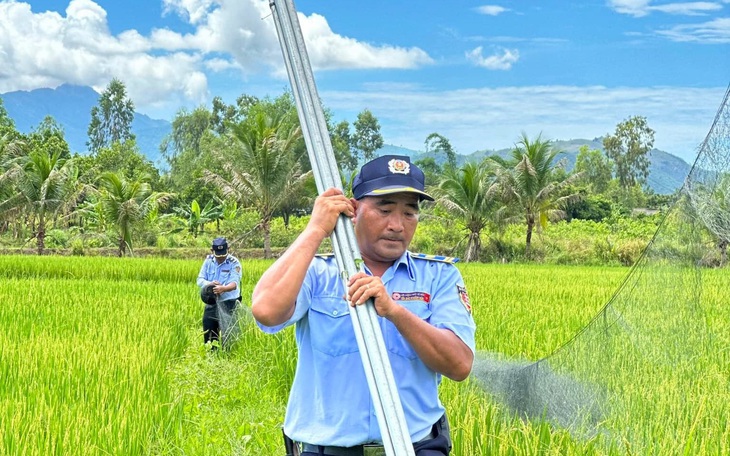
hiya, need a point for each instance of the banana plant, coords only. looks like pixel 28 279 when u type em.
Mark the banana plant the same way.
pixel 196 218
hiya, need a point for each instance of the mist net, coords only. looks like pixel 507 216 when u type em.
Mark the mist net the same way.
pixel 650 373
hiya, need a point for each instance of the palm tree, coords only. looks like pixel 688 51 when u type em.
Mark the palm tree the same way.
pixel 44 184
pixel 528 180
pixel 126 203
pixel 467 193
pixel 263 171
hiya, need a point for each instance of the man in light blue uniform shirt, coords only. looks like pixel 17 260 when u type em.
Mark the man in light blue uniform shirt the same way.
pixel 424 310
pixel 219 280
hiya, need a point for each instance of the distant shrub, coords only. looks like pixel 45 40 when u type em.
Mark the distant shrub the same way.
pixel 77 247
pixel 57 239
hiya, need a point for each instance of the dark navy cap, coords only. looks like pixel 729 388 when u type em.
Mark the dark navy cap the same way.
pixel 207 295
pixel 220 246
pixel 389 174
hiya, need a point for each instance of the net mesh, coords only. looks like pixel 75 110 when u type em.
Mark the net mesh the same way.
pixel 231 318
pixel 644 365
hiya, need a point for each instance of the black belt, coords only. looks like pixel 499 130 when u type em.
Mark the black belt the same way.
pixel 357 450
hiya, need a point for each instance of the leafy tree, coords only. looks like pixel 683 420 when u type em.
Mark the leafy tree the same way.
pixel 431 170
pixel 341 141
pixel 187 150
pixel 7 125
pixel 527 180
pixel 597 170
pixel 589 207
pixel 187 132
pixel 12 145
pixel 437 143
pixel 223 115
pixel 625 199
pixel 44 184
pixel 468 195
pixel 126 159
pixel 263 170
pixel 126 204
pixel 111 119
pixel 628 148
pixel 367 138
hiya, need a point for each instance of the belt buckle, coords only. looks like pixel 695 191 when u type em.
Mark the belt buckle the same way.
pixel 373 450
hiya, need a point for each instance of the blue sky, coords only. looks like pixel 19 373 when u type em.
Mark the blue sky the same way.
pixel 478 73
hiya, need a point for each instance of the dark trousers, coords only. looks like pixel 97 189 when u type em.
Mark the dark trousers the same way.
pixel 211 320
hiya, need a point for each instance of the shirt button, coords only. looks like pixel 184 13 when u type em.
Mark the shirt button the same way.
pixel 334 312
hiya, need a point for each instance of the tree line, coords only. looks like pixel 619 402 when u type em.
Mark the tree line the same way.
pixel 250 156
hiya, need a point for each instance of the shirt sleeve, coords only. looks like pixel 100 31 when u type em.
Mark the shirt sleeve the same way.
pixel 236 273
pixel 451 308
pixel 304 298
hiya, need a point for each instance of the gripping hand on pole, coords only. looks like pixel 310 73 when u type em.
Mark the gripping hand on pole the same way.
pixel 327 208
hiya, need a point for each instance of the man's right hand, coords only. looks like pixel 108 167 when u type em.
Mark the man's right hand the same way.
pixel 327 208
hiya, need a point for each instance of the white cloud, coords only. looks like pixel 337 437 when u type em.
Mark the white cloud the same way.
pixel 193 11
pixel 715 32
pixel 48 49
pixel 636 8
pixel 246 30
pixel 491 10
pixel 167 67
pixel 500 61
pixel 493 118
pixel 639 8
pixel 328 50
pixel 688 9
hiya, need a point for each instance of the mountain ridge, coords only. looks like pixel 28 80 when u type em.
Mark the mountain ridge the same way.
pixel 70 105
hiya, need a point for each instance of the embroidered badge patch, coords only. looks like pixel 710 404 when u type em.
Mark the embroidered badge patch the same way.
pixel 464 298
pixel 397 166
pixel 238 269
pixel 411 296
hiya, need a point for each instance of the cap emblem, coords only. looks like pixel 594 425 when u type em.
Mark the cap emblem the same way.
pixel 397 166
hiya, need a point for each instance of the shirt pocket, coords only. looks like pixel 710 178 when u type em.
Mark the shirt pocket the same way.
pixel 394 341
pixel 331 327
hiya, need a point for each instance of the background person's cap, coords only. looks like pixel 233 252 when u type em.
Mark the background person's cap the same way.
pixel 220 246
pixel 389 174
pixel 207 295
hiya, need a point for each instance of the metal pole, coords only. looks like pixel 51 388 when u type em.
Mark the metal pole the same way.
pixel 383 390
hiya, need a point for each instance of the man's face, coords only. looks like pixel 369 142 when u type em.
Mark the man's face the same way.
pixel 384 225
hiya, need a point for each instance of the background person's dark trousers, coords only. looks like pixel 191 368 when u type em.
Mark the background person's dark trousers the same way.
pixel 212 322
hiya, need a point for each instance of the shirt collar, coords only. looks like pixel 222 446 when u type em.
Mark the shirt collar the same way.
pixel 405 261
pixel 215 260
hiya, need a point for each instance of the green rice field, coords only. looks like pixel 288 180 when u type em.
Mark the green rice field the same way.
pixel 104 356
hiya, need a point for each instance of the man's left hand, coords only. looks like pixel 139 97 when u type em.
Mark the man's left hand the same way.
pixel 362 287
pixel 218 289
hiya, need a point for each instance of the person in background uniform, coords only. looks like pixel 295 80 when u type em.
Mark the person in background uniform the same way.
pixel 422 304
pixel 220 285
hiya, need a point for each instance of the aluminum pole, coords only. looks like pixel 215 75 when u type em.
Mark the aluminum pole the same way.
pixel 383 390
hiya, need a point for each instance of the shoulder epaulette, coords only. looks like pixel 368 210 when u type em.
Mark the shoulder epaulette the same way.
pixel 325 255
pixel 443 259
